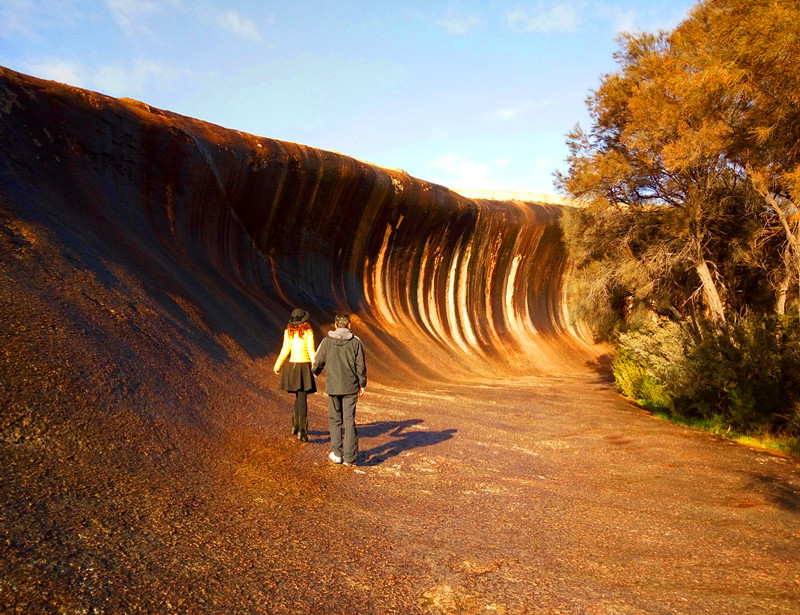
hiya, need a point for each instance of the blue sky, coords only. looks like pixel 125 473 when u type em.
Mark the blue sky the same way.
pixel 465 94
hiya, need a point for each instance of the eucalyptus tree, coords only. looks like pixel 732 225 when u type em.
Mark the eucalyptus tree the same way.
pixel 690 166
pixel 742 71
pixel 641 165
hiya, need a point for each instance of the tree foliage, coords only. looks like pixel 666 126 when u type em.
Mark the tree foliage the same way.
pixel 689 185
pixel 744 60
pixel 689 173
pixel 739 376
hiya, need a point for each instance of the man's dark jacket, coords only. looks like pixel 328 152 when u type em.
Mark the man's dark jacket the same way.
pixel 343 354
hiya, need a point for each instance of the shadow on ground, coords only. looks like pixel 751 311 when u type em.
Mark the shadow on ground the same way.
pixel 401 439
pixel 601 366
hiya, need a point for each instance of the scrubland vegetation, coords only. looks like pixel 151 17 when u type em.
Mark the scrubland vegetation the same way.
pixel 687 246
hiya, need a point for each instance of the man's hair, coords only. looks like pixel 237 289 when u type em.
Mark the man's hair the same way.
pixel 342 320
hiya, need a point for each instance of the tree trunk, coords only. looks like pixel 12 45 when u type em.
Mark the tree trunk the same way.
pixel 789 222
pixel 710 291
pixel 782 287
pixel 781 292
pixel 794 249
pixel 798 284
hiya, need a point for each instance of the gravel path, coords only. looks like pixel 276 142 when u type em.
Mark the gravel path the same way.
pixel 142 477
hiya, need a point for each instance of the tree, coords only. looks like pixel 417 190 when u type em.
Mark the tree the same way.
pixel 690 177
pixel 699 132
pixel 643 156
pixel 742 68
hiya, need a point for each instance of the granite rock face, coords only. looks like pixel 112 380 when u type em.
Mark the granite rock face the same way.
pixel 148 266
pixel 478 282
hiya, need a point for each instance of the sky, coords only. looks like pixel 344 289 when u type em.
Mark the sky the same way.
pixel 470 95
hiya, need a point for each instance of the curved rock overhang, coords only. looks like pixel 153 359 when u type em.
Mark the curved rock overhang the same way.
pixel 438 282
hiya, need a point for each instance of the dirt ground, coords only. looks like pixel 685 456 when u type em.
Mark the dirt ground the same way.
pixel 148 468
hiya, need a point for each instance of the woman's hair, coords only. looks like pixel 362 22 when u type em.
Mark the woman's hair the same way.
pixel 298 330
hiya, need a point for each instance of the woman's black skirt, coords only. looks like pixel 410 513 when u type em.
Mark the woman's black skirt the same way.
pixel 297 377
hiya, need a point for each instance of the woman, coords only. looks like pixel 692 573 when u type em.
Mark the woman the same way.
pixel 298 346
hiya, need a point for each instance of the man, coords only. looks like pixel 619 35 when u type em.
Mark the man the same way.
pixel 343 354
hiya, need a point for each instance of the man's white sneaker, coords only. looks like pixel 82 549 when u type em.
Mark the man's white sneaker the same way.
pixel 334 457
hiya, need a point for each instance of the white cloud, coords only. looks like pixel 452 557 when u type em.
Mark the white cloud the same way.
pixel 667 20
pixel 448 162
pixel 562 18
pixel 642 18
pixel 14 17
pixel 458 22
pixel 120 80
pixel 71 73
pixel 458 170
pixel 510 113
pixel 467 172
pixel 241 26
pixel 129 81
pixel 622 20
pixel 503 114
pixel 461 171
pixel 31 19
pixel 132 15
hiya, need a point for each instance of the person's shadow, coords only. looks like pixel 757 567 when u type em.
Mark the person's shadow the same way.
pixel 402 439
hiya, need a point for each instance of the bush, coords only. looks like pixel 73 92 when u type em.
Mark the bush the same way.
pixel 645 362
pixel 743 377
pixel 629 374
pixel 747 372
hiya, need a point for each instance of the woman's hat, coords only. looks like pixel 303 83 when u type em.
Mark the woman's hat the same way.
pixel 298 316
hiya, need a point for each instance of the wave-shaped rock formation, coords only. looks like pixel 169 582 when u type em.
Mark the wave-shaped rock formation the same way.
pixel 480 282
pixel 148 264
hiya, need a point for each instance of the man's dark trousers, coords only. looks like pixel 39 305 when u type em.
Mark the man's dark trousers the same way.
pixel 342 411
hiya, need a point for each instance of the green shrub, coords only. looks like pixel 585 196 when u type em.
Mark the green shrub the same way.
pixel 628 374
pixel 646 359
pixel 739 378
pixel 747 372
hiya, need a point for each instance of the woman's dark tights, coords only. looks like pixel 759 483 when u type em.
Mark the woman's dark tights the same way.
pixel 300 418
